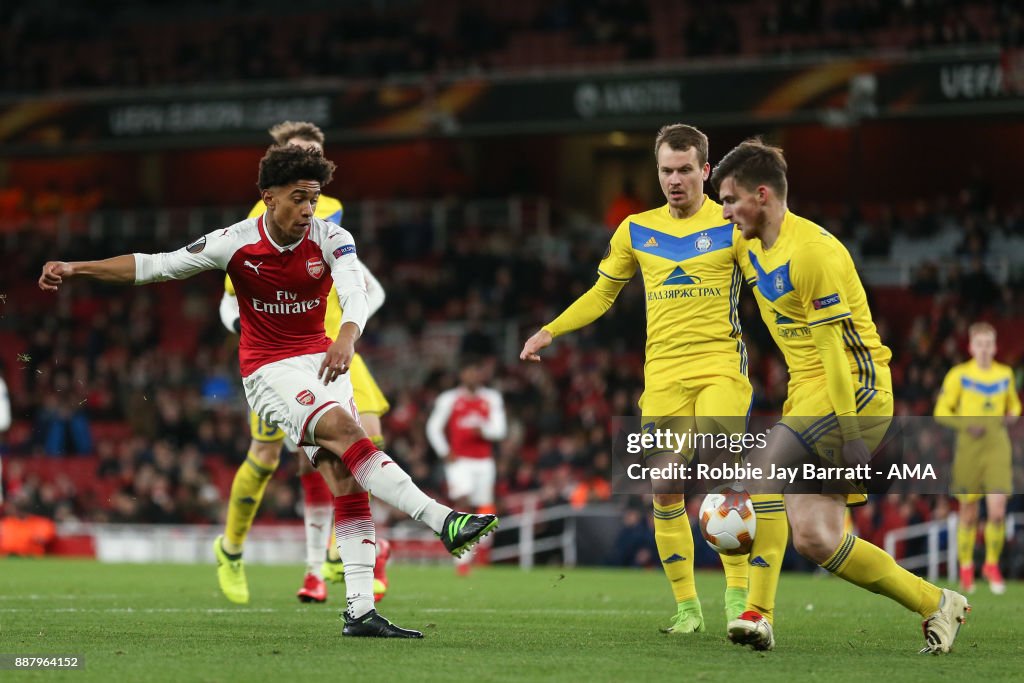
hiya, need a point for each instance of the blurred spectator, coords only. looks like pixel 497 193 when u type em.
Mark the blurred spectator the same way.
pixel 22 533
pixel 624 204
pixel 634 545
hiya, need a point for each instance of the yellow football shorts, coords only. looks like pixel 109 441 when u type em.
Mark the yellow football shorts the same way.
pixel 808 413
pixel 367 395
pixel 982 466
pixel 709 404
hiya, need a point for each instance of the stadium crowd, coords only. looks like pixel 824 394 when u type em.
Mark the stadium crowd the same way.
pixel 117 45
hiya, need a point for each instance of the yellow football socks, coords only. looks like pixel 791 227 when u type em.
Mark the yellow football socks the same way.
pixel 246 493
pixel 995 536
pixel 766 553
pixel 675 548
pixel 870 567
pixel 965 536
pixel 735 567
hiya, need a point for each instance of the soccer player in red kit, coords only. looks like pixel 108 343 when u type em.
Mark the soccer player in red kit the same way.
pixel 462 429
pixel 283 264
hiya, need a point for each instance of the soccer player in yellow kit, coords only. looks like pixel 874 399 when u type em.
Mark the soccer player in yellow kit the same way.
pixel 839 401
pixel 979 400
pixel 696 363
pixel 253 475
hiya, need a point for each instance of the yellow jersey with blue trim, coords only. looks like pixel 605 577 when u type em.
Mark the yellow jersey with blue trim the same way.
pixel 808 278
pixel 972 391
pixel 329 209
pixel 692 281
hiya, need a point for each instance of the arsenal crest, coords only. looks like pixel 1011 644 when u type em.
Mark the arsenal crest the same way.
pixel 315 267
pixel 305 397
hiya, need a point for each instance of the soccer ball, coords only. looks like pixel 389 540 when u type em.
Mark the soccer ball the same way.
pixel 727 521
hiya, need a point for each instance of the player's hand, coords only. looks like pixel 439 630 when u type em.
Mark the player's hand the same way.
pixel 337 360
pixel 534 344
pixel 856 452
pixel 53 275
pixel 977 431
pixel 1010 420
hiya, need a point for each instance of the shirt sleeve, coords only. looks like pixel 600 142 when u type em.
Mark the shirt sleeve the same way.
pixel 817 280
pixel 5 407
pixel 947 405
pixel 838 380
pixel 438 422
pixel 1012 399
pixel 496 426
pixel 619 262
pixel 588 308
pixel 374 291
pixel 211 251
pixel 229 313
pixel 339 251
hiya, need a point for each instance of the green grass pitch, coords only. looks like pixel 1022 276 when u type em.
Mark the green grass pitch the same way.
pixel 170 623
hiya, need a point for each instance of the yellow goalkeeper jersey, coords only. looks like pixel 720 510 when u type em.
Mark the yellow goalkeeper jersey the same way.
pixel 808 278
pixel 692 282
pixel 328 209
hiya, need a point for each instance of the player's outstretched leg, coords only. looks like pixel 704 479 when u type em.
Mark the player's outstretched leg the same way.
pixel 377 473
pixel 462 530
pixel 231 574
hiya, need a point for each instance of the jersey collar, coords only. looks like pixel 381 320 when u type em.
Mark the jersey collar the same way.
pixel 265 234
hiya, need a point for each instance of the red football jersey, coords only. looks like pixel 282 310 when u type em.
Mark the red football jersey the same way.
pixel 281 290
pixel 464 424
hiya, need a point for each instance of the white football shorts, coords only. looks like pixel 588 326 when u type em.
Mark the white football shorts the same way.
pixel 288 394
pixel 472 479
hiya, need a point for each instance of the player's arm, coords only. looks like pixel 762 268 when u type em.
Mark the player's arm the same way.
pixel 5 407
pixel 815 275
pixel 496 426
pixel 1012 402
pixel 118 270
pixel 229 313
pixel 374 290
pixel 349 282
pixel 828 340
pixel 208 252
pixel 946 406
pixel 438 421
pixel 615 270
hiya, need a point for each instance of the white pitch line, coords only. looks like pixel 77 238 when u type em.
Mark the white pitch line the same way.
pixel 71 596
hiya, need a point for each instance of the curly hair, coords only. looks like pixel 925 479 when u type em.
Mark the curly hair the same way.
pixel 286 164
pixel 285 131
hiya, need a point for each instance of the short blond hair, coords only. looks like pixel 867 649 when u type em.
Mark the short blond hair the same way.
pixel 304 130
pixel 981 328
